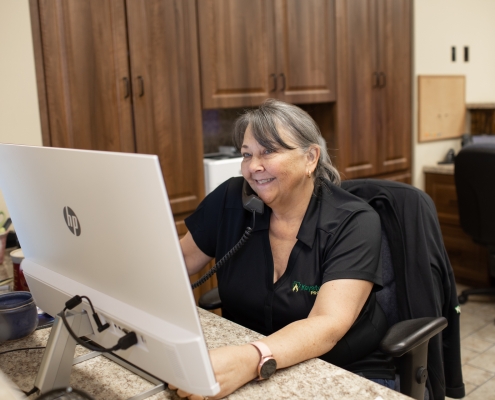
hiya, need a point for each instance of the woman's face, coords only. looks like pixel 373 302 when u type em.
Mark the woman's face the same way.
pixel 278 177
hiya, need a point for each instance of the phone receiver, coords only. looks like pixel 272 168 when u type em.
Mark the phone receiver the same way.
pixel 250 200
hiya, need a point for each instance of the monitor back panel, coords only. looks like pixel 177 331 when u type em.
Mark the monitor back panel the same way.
pixel 101 220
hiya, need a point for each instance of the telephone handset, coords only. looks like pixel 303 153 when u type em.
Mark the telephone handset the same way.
pixel 250 200
pixel 252 203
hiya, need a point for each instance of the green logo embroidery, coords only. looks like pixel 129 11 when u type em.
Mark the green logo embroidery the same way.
pixel 458 309
pixel 297 286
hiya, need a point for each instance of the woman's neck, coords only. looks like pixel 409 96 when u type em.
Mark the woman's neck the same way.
pixel 295 209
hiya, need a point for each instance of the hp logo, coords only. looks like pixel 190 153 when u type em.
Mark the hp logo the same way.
pixel 72 221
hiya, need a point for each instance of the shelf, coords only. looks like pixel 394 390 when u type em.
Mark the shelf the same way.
pixel 480 106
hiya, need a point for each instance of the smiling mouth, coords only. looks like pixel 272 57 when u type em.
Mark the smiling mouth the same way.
pixel 262 181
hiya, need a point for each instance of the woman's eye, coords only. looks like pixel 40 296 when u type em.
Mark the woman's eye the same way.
pixel 246 155
pixel 268 151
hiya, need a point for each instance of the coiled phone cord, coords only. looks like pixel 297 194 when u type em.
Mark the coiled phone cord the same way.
pixel 226 257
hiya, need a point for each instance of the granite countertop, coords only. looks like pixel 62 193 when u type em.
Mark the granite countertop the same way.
pixel 447 169
pixel 6 268
pixel 103 379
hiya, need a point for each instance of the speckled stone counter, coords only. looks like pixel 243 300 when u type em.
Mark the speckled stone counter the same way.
pixel 105 380
pixel 6 268
pixel 447 169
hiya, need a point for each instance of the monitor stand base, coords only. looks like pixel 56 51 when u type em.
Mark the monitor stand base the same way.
pixel 56 365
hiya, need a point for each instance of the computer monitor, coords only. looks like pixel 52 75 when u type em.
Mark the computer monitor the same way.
pixel 99 224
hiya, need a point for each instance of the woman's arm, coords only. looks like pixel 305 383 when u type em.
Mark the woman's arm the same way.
pixel 195 259
pixel 337 306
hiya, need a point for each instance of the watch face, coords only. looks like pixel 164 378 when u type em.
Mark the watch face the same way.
pixel 268 368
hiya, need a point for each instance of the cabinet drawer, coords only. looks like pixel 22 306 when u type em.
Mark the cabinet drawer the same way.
pixel 468 259
pixel 441 189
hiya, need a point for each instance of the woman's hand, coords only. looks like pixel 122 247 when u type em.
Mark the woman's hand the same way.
pixel 337 306
pixel 234 366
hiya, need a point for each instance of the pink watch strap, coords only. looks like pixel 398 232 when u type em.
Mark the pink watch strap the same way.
pixel 262 348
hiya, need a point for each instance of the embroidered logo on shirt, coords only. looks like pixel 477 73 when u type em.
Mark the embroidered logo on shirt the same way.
pixel 458 309
pixel 298 286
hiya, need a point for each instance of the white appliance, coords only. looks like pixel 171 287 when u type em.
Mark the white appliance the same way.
pixel 218 170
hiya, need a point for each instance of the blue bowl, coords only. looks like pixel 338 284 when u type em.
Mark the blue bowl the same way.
pixel 18 315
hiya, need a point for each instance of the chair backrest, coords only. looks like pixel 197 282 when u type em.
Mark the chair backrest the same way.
pixel 423 277
pixel 475 185
pixel 387 297
pixel 403 250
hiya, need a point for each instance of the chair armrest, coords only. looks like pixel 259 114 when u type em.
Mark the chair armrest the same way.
pixel 210 300
pixel 406 335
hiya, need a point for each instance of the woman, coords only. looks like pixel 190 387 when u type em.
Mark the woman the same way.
pixel 307 275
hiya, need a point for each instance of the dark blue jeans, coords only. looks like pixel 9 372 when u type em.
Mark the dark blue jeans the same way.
pixel 390 383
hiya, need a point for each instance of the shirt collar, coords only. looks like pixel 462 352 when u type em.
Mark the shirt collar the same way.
pixel 307 231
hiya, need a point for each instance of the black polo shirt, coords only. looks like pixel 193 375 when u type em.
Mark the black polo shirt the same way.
pixel 339 238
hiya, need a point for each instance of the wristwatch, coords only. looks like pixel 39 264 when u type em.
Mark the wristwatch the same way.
pixel 267 365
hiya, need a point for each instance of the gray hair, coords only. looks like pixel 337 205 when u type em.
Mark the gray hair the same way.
pixel 301 128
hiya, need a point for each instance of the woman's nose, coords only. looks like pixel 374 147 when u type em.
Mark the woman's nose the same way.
pixel 255 165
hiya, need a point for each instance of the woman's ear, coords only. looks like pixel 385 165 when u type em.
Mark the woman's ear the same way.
pixel 313 155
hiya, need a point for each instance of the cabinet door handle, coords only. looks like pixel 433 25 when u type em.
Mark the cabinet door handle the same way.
pixel 382 82
pixel 375 80
pixel 141 86
pixel 274 77
pixel 283 82
pixel 127 87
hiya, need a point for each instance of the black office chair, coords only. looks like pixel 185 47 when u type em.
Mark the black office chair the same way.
pixel 474 180
pixel 424 282
pixel 420 312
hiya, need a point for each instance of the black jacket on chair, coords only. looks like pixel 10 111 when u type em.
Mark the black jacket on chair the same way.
pixel 423 274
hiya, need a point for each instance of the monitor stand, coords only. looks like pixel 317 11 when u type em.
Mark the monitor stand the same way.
pixel 56 365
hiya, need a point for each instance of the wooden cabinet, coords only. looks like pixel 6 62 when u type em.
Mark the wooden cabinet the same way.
pixel 373 108
pixel 86 103
pixel 123 76
pixel 252 50
pixel 469 260
pixel 166 94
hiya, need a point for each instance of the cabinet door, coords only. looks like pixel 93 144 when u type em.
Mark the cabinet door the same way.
pixel 394 104
pixel 166 97
pixel 356 61
pixel 305 43
pixel 469 260
pixel 86 72
pixel 236 41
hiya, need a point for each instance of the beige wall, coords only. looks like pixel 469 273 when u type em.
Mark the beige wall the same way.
pixel 439 25
pixel 19 114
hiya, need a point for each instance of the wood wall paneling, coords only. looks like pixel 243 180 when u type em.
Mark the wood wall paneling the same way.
pixel 482 121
